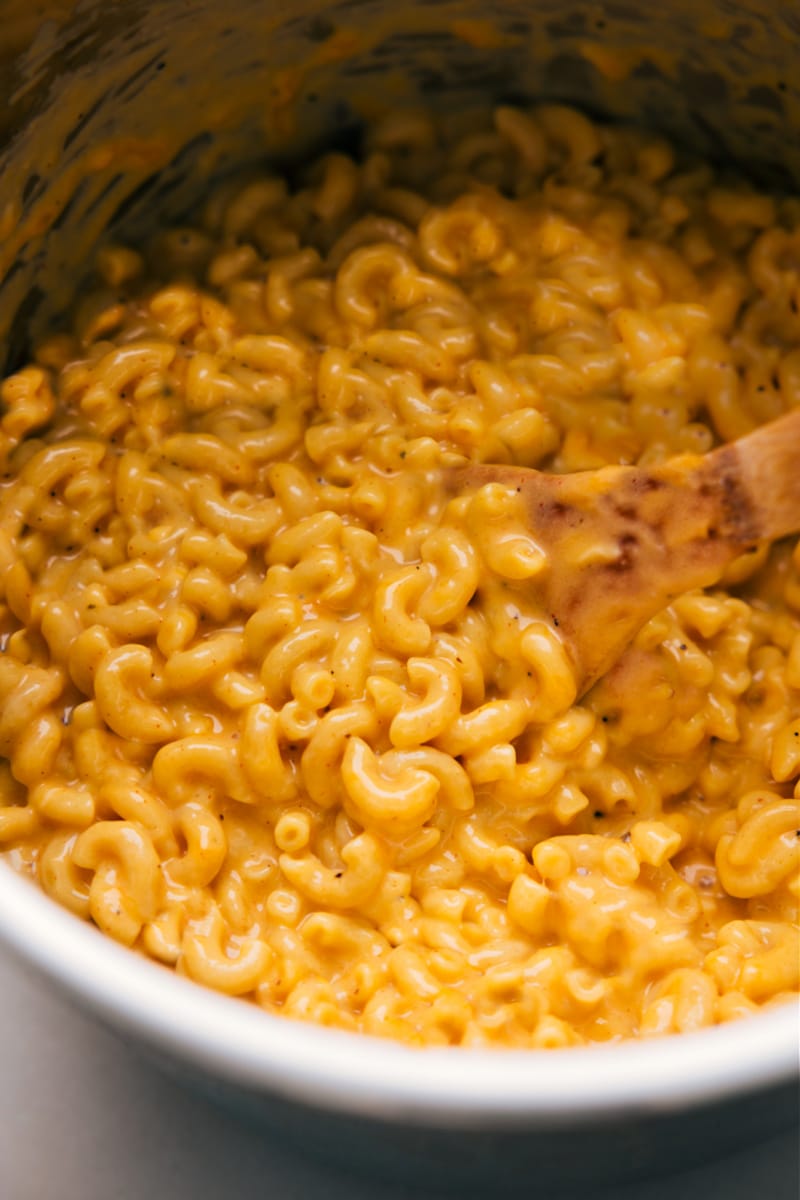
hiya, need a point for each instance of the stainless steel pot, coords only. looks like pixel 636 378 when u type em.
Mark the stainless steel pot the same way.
pixel 107 111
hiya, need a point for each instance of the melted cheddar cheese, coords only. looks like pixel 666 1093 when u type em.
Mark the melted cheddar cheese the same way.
pixel 281 712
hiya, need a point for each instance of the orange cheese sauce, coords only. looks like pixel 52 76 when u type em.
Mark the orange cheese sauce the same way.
pixel 278 711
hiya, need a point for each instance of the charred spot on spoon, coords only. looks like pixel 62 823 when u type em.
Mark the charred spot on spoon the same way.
pixel 554 512
pixel 739 519
pixel 648 483
pixel 626 559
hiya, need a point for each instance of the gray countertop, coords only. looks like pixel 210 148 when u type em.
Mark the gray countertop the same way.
pixel 83 1117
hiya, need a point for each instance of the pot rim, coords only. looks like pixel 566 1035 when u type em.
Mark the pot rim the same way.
pixel 361 1075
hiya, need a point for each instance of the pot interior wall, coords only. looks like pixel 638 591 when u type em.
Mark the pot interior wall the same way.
pixel 118 114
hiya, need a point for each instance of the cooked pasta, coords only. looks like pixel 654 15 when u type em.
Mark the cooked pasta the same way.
pixel 281 712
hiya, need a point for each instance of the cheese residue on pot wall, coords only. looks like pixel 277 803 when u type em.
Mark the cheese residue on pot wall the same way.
pixel 109 103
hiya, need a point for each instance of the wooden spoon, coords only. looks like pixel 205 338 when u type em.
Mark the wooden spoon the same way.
pixel 622 542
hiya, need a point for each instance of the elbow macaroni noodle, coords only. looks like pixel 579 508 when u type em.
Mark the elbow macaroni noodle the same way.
pixel 279 711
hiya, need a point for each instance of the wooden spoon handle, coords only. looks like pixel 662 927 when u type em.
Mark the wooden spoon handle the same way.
pixel 757 480
pixel 622 542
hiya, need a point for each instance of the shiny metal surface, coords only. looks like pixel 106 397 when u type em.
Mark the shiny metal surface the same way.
pixel 202 86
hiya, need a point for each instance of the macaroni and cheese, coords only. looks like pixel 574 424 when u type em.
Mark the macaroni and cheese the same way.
pixel 280 711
